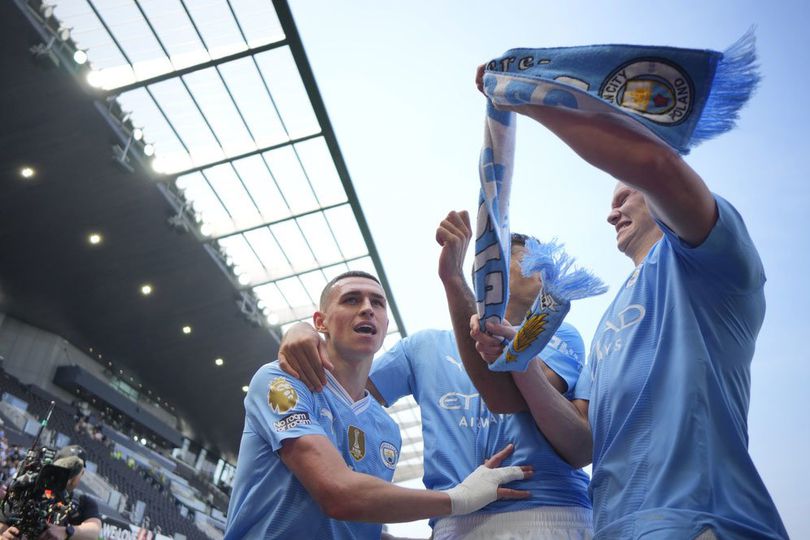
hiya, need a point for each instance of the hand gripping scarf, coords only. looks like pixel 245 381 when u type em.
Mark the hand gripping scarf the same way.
pixel 682 96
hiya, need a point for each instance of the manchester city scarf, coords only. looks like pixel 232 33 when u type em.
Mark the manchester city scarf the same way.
pixel 562 283
pixel 682 96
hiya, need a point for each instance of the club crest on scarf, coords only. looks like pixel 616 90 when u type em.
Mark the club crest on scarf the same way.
pixel 681 96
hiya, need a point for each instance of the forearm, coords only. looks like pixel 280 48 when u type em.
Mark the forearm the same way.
pixel 496 388
pixel 366 498
pixel 630 153
pixel 563 425
pixel 89 530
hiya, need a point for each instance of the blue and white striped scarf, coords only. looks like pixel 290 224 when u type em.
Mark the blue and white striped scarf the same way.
pixel 682 96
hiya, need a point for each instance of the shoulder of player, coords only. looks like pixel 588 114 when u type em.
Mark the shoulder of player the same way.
pixel 271 373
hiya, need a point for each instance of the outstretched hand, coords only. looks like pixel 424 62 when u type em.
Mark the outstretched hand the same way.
pixel 482 486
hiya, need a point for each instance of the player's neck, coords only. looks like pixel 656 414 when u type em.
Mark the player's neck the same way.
pixel 352 374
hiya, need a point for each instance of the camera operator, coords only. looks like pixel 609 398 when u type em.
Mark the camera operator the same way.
pixel 82 524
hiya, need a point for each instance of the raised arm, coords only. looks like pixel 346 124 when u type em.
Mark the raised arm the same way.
pixel 630 153
pixel 564 423
pixel 352 496
pixel 496 388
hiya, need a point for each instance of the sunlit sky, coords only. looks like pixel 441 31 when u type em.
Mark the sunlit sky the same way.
pixel 397 79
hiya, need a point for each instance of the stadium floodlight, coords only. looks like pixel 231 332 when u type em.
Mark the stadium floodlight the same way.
pixel 46 10
pixel 219 361
pixel 63 32
pixel 245 389
pixel 137 134
pixel 186 330
pixel 148 149
pixel 94 239
pixel 146 289
pixel 95 79
pixel 273 318
pixel 27 172
pixel 80 57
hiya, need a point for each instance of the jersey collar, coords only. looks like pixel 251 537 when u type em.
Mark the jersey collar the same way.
pixel 356 406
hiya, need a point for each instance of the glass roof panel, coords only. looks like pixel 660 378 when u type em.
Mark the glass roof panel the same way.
pixel 291 240
pixel 332 272
pixel 272 297
pixel 204 201
pixel 88 33
pixel 258 20
pixel 218 108
pixel 175 101
pixel 175 31
pixel 145 114
pixel 317 233
pixel 244 260
pixel 291 179
pixel 262 188
pixel 297 296
pixel 320 169
pixel 347 231
pixel 271 256
pixel 246 85
pixel 288 91
pixel 219 29
pixel 237 202
pixel 135 38
pixel 314 282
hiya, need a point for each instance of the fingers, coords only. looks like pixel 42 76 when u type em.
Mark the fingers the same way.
pixel 497 459
pixel 455 226
pixel 325 356
pixel 501 329
pixel 305 359
pixel 507 493
pixel 285 366
pixel 479 78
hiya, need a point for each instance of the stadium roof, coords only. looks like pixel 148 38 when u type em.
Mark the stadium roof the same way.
pixel 198 117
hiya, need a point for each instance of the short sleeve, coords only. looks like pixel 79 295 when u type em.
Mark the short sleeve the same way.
pixel 279 406
pixel 392 373
pixel 582 389
pixel 727 258
pixel 88 509
pixel 564 354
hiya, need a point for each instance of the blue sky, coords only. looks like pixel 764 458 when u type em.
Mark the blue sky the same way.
pixel 397 79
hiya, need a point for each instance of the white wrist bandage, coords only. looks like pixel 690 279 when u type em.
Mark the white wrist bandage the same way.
pixel 480 488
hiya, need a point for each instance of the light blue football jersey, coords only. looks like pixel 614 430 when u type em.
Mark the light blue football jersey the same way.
pixel 670 365
pixel 459 431
pixel 267 500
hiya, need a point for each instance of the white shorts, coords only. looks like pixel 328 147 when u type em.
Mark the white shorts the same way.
pixel 542 523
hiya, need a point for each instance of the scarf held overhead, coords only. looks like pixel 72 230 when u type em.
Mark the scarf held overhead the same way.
pixel 681 96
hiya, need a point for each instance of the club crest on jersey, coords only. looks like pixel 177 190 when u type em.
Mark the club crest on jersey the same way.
pixel 389 455
pixel 653 88
pixel 357 443
pixel 282 396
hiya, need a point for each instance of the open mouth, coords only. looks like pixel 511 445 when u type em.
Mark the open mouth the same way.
pixel 366 328
pixel 621 226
